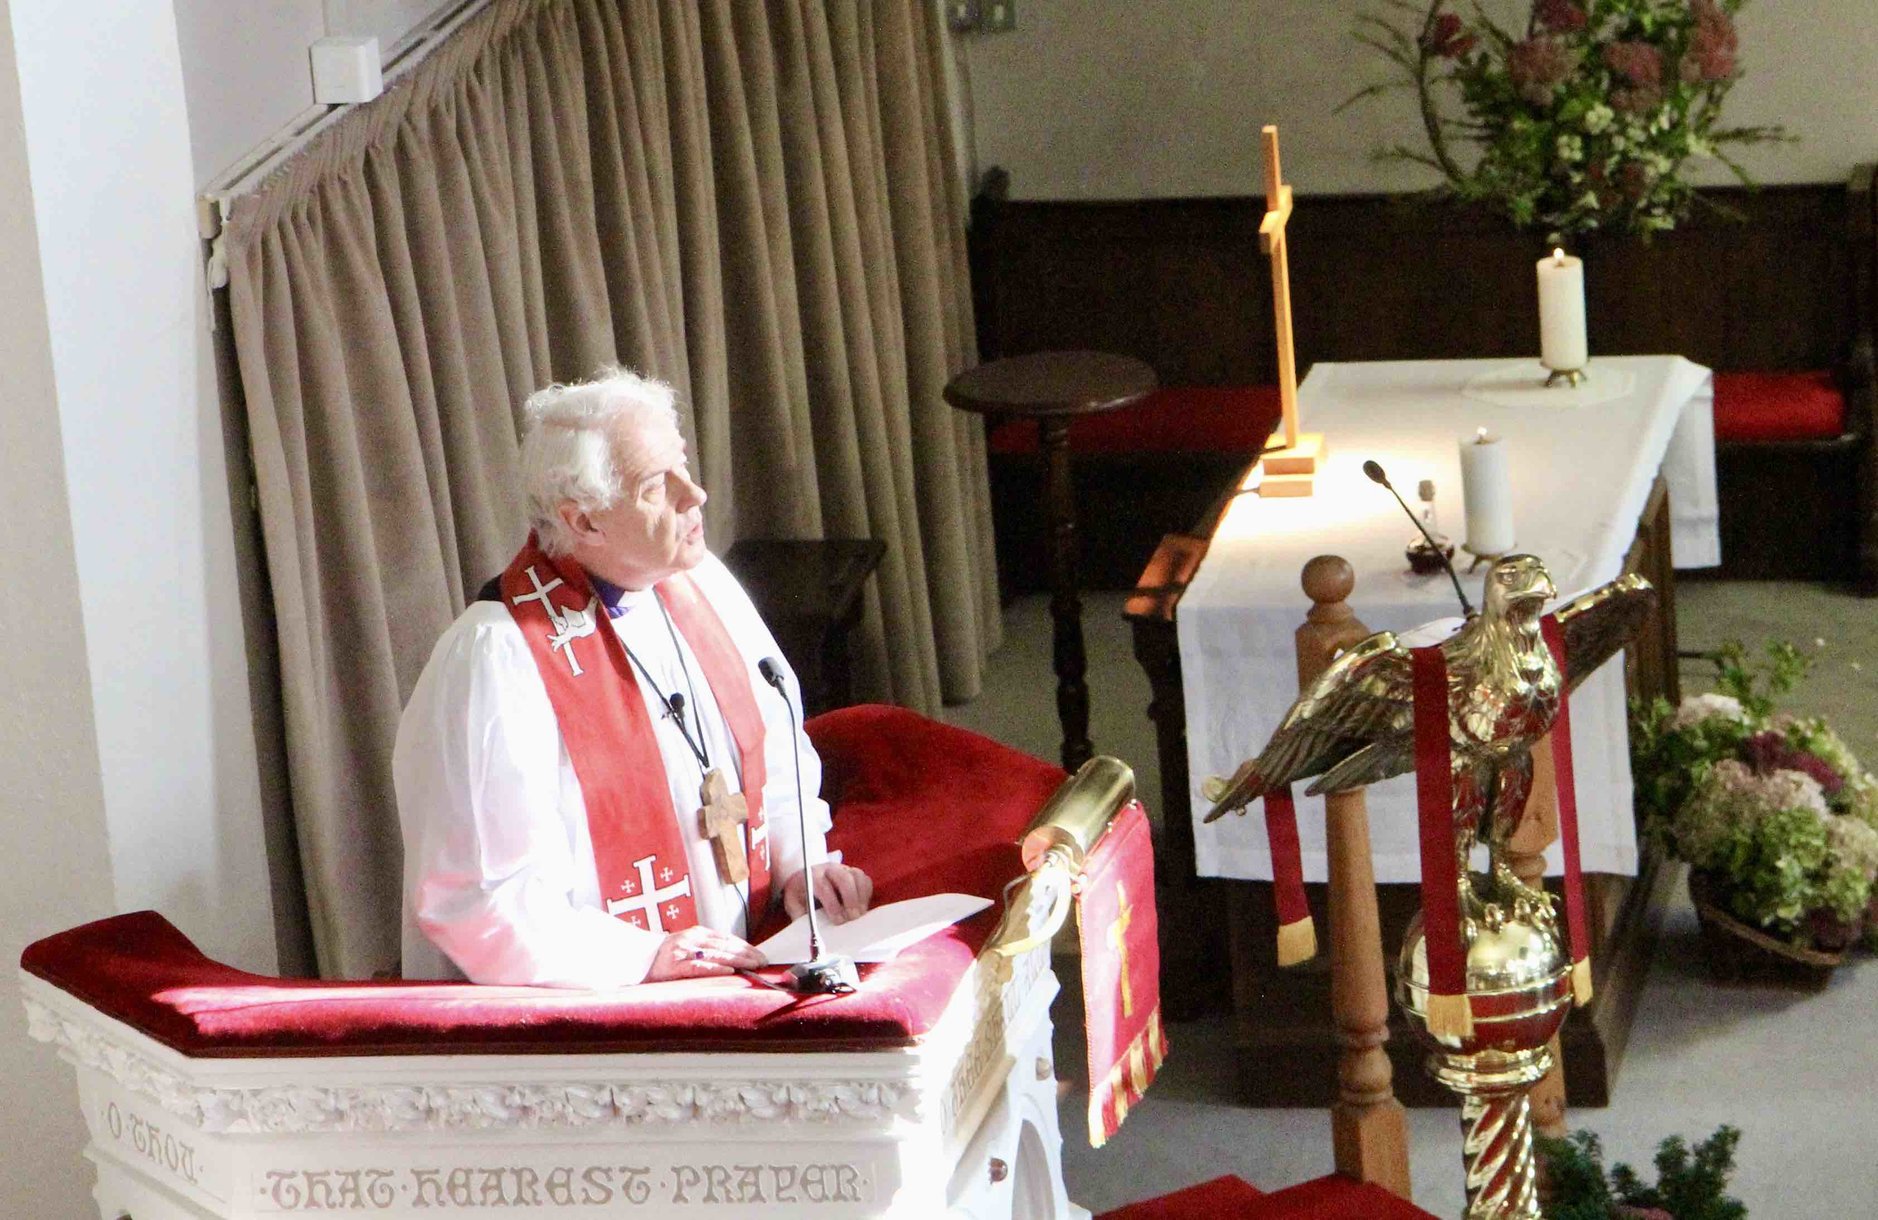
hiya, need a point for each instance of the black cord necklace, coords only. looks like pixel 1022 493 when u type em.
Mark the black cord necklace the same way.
pixel 675 702
pixel 675 708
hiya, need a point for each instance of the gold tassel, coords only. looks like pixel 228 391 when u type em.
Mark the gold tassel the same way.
pixel 1581 982
pixel 1297 942
pixel 1450 1016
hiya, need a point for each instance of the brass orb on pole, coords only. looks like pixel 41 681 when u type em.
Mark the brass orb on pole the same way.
pixel 1520 990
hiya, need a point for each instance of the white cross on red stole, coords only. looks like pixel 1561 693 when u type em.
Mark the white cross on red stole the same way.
pixel 641 906
pixel 569 625
pixel 759 840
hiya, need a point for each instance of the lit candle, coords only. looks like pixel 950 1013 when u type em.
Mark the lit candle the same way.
pixel 1487 494
pixel 1562 344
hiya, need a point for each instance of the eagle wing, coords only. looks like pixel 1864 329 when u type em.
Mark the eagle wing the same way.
pixel 1359 713
pixel 1602 621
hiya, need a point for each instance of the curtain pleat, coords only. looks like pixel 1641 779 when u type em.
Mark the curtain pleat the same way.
pixel 754 200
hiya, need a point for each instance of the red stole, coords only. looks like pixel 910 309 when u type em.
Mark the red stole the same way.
pixel 639 839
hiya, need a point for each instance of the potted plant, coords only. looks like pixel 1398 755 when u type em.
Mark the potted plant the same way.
pixel 1690 1182
pixel 1582 119
pixel 1775 816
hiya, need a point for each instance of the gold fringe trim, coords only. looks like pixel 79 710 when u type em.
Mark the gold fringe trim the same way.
pixel 1450 1016
pixel 1297 942
pixel 1581 982
pixel 1128 1081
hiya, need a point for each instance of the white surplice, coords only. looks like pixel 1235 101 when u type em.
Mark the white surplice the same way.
pixel 499 880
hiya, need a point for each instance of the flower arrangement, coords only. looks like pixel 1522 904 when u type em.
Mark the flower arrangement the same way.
pixel 1583 119
pixel 1690 1182
pixel 1772 810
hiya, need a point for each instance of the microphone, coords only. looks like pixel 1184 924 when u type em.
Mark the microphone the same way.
pixel 1374 470
pixel 822 974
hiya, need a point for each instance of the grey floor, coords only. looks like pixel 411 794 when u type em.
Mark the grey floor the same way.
pixel 1798 1074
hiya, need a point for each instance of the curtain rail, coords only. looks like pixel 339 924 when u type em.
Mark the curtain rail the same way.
pixel 253 169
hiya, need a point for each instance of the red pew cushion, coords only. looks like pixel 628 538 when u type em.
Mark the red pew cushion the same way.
pixel 1178 419
pixel 888 770
pixel 1200 419
pixel 1778 407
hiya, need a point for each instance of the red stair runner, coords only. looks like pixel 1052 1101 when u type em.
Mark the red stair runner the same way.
pixel 1327 1198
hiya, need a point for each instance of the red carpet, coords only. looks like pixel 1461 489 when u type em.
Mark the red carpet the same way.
pixel 1326 1198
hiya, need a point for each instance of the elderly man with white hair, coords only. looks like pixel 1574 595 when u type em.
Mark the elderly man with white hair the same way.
pixel 596 786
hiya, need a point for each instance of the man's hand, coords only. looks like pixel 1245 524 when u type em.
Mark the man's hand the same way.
pixel 700 952
pixel 844 892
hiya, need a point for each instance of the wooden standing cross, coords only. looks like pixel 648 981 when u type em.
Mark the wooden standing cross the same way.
pixel 723 814
pixel 1287 471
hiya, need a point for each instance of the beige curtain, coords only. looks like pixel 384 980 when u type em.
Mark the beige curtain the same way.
pixel 754 201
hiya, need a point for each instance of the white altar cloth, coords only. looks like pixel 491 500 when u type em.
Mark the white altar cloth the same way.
pixel 1581 475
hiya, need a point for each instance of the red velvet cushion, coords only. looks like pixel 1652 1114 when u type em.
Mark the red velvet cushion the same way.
pixel 1778 407
pixel 1179 419
pixel 888 770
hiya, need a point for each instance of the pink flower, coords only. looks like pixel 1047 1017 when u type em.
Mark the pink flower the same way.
pixel 1770 752
pixel 1447 38
pixel 1559 16
pixel 1538 66
pixel 1635 181
pixel 1713 45
pixel 1636 101
pixel 1637 62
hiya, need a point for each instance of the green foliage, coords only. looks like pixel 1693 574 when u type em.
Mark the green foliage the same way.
pixel 1774 809
pixel 1582 120
pixel 1668 762
pixel 1757 684
pixel 1690 1183
pixel 1775 866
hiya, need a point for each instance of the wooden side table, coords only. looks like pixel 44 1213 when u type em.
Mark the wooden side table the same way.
pixel 1054 388
pixel 809 594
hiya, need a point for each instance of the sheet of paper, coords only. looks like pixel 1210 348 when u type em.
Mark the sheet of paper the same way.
pixel 877 935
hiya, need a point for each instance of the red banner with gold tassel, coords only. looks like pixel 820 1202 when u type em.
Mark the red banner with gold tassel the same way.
pixel 1575 922
pixel 1121 971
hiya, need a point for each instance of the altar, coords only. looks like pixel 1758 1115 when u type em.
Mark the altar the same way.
pixel 1624 476
pixel 1584 461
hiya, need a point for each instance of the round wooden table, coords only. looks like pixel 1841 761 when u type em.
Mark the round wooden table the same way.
pixel 1054 388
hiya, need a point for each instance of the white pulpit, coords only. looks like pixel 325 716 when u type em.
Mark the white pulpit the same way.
pixel 928 1092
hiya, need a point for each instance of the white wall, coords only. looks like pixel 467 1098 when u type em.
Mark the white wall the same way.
pixel 1095 99
pixel 246 70
pixel 246 73
pixel 150 795
pixel 389 20
pixel 52 828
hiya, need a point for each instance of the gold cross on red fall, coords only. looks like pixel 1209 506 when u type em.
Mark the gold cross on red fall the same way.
pixel 723 813
pixel 1118 938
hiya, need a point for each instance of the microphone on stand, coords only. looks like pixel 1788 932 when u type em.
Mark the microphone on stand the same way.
pixel 1375 472
pixel 823 973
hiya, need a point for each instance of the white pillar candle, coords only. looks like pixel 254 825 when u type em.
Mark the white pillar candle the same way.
pixel 1562 343
pixel 1487 494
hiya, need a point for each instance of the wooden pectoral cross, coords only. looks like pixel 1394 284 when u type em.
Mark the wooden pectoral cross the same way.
pixel 721 818
pixel 1289 470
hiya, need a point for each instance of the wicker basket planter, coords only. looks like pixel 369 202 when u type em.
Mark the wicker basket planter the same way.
pixel 1737 951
